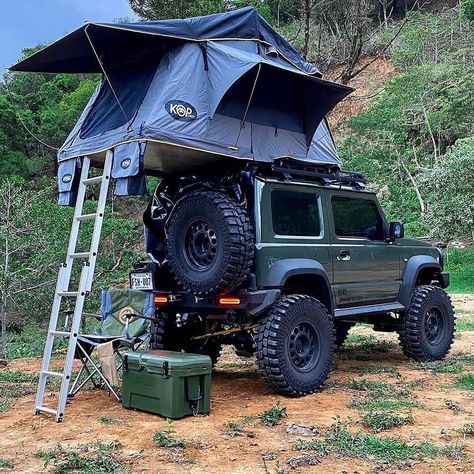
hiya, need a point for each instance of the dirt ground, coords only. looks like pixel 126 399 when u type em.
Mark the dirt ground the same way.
pixel 440 412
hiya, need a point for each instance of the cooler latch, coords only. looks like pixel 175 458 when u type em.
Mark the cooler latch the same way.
pixel 164 374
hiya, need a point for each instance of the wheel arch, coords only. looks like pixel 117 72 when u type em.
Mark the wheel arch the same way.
pixel 420 270
pixel 302 276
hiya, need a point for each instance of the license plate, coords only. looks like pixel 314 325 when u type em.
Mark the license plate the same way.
pixel 141 281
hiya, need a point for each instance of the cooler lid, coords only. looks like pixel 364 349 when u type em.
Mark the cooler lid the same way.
pixel 178 363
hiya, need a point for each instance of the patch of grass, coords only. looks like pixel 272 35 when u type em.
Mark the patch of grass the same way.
pixel 387 448
pixel 319 446
pixel 455 364
pixel 4 464
pixel 273 415
pixel 17 377
pixel 366 343
pixel 106 420
pixel 460 265
pixel 466 382
pixel 383 404
pixel 379 389
pixel 4 406
pixel 87 459
pixel 15 384
pixel 464 325
pixel 373 369
pixel 234 428
pixel 468 429
pixel 384 420
pixel 166 438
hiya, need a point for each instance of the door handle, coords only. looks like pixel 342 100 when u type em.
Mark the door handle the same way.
pixel 344 255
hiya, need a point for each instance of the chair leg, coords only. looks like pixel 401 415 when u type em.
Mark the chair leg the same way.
pixel 99 373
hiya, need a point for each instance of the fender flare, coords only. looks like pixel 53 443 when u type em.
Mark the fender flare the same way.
pixel 283 269
pixel 410 275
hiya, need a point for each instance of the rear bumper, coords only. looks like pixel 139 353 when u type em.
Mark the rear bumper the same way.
pixel 251 302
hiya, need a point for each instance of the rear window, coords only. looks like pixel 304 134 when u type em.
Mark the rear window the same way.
pixel 357 218
pixel 295 213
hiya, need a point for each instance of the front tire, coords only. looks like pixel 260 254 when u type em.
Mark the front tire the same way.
pixel 428 325
pixel 295 345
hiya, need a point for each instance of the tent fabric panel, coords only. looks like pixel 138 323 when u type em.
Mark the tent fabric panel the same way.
pixel 128 169
pixel 69 173
pixel 181 105
pixel 322 148
pixel 226 66
pixel 225 130
pixel 74 134
pixel 130 85
pixel 269 143
pixel 126 161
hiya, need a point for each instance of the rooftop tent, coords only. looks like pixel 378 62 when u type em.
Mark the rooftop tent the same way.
pixel 123 42
pixel 184 93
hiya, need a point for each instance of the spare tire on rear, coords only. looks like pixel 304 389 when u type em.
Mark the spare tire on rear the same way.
pixel 210 243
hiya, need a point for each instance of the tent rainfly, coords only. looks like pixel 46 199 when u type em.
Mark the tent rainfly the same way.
pixel 176 94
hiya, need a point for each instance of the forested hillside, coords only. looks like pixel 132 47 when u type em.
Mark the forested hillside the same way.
pixel 413 138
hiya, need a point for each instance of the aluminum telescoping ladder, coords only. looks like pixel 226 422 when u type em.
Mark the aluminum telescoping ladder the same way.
pixel 63 290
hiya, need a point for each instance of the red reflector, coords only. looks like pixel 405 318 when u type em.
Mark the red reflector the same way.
pixel 161 299
pixel 229 301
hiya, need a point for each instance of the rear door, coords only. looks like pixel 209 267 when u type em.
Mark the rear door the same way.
pixel 291 225
pixel 366 267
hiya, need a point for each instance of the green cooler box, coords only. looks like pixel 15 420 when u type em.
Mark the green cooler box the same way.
pixel 172 384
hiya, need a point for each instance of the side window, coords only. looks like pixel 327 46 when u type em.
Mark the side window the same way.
pixel 355 217
pixel 295 213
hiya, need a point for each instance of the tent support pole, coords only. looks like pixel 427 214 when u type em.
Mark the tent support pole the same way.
pixel 107 79
pixel 242 124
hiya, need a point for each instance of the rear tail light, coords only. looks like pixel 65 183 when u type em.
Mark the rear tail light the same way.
pixel 232 301
pixel 161 299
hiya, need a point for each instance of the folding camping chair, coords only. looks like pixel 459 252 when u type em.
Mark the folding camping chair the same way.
pixel 125 319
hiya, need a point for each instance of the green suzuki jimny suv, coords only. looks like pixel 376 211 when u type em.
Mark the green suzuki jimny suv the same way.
pixel 280 261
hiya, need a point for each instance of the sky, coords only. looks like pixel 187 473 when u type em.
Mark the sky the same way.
pixel 26 23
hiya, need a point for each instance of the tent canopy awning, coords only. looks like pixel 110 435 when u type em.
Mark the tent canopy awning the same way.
pixel 122 43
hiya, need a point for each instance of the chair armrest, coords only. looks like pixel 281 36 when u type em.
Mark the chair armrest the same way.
pixel 129 316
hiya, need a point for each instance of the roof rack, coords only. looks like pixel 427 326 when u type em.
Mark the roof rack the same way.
pixel 323 175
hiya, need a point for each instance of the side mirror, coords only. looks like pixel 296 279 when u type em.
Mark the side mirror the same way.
pixel 396 231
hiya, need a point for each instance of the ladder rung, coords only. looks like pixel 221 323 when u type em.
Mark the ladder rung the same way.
pixel 80 255
pixel 95 179
pixel 60 333
pixel 68 293
pixel 52 411
pixel 87 217
pixel 49 373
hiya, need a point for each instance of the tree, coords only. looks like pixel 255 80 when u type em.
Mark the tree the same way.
pixel 18 241
pixel 450 213
pixel 161 9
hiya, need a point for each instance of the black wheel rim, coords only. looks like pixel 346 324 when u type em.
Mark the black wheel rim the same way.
pixel 200 245
pixel 304 347
pixel 434 325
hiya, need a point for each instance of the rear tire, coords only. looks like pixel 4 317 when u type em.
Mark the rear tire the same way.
pixel 164 334
pixel 295 345
pixel 210 243
pixel 428 325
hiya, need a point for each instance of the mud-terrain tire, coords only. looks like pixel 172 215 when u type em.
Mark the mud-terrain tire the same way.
pixel 210 243
pixel 295 344
pixel 165 335
pixel 342 331
pixel 427 327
